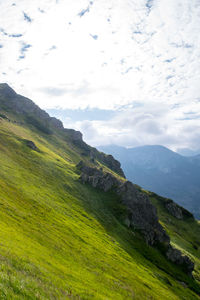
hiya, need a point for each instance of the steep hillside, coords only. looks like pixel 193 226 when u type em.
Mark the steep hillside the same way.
pixel 162 171
pixel 62 239
pixel 184 231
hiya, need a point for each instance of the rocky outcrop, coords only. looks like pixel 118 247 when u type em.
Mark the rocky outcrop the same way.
pixel 10 100
pixel 97 178
pixel 141 214
pixel 2 116
pixel 34 116
pixel 107 160
pixel 174 209
pixel 31 145
pixel 6 91
pixel 93 154
pixel 76 136
pixel 111 163
pixel 56 123
pixel 176 257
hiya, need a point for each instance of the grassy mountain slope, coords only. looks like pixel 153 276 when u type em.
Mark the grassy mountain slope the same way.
pixel 184 233
pixel 61 239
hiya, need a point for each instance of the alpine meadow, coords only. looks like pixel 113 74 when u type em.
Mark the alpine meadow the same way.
pixel 72 226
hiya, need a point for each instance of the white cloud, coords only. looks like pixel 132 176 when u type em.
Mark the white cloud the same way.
pixel 108 55
pixel 144 125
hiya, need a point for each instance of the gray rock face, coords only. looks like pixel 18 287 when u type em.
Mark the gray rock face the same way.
pixel 112 163
pixel 34 116
pixel 56 123
pixel 141 214
pixel 176 257
pixel 97 178
pixel 75 135
pixel 6 91
pixel 174 209
pixel 22 105
pixel 107 160
pixel 2 116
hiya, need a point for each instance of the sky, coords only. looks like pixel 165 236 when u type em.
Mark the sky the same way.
pixel 123 72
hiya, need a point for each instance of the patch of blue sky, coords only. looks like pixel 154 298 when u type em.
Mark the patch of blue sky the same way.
pixel 95 37
pixel 24 49
pixel 84 11
pixel 16 35
pixel 53 48
pixel 169 77
pixel 182 45
pixel 169 60
pixel 41 10
pixel 81 115
pixel 149 5
pixel 27 18
pixel 3 31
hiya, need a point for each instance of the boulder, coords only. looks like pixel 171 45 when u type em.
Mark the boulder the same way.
pixel 174 209
pixel 111 163
pixel 31 145
pixel 176 257
pixel 97 178
pixel 143 215
pixel 74 135
pixel 2 116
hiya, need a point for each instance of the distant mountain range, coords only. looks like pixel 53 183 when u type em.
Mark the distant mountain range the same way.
pixel 162 171
pixel 188 152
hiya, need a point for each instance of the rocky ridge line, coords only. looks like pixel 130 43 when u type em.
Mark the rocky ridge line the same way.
pixel 173 208
pixel 33 115
pixel 141 214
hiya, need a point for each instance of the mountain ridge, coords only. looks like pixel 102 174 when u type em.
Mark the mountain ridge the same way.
pixel 162 171
pixel 63 239
pixel 39 118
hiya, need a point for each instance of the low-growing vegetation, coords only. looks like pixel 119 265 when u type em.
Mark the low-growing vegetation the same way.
pixel 61 239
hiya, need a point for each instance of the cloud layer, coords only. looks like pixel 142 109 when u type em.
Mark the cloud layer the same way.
pixel 140 59
pixel 147 124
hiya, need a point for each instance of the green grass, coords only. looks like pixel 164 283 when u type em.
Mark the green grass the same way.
pixel 60 239
pixel 184 234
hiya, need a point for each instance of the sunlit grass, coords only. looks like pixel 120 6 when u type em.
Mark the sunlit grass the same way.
pixel 61 239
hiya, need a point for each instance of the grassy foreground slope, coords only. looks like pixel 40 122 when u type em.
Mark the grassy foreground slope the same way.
pixel 60 239
pixel 184 234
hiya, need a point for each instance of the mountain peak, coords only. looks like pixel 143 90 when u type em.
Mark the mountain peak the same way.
pixel 7 91
pixel 27 112
pixel 159 148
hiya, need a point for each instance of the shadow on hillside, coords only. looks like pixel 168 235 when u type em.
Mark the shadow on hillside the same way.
pixel 109 214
